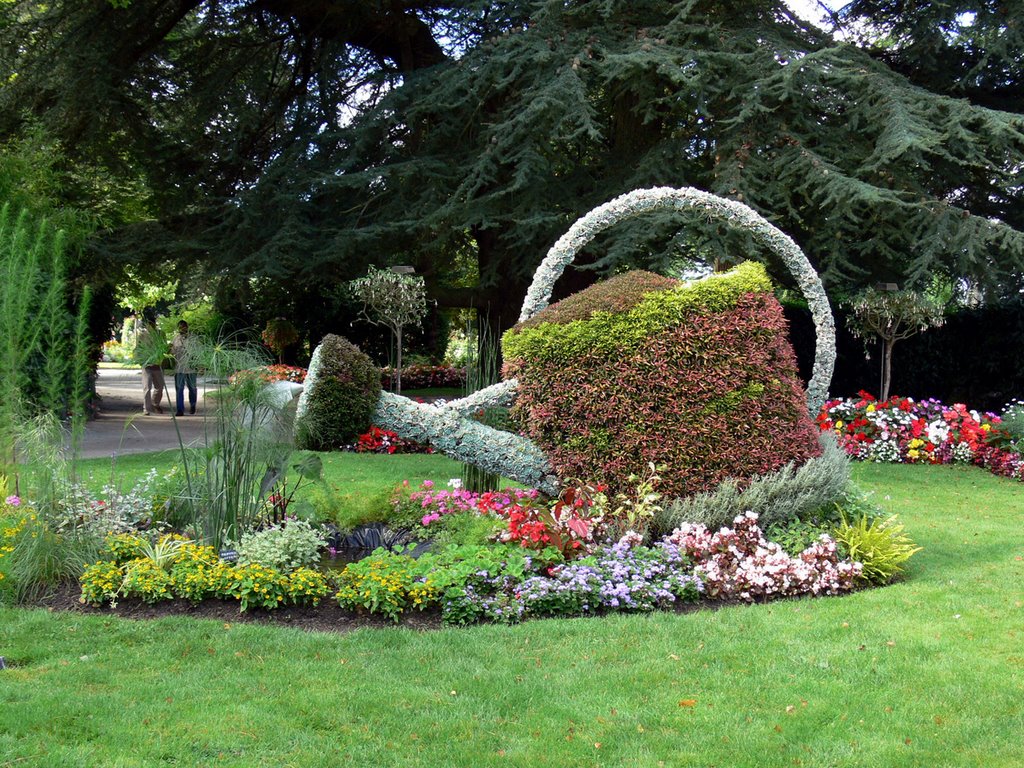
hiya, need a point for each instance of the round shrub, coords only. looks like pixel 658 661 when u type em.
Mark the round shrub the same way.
pixel 341 392
pixel 698 377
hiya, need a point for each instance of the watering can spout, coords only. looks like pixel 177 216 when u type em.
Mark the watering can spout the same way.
pixel 448 429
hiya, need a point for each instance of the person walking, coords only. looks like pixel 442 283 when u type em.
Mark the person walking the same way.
pixel 150 351
pixel 184 369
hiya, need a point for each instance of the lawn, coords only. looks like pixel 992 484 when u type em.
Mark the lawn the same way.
pixel 927 672
pixel 361 482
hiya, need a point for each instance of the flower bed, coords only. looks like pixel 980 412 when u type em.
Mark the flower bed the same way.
pixel 922 432
pixel 271 373
pixel 377 440
pixel 500 582
pixel 425 377
pixel 509 583
pixel 499 556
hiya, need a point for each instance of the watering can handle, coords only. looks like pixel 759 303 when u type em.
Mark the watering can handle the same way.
pixel 642 201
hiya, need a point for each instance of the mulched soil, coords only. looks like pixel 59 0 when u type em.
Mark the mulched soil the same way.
pixel 327 617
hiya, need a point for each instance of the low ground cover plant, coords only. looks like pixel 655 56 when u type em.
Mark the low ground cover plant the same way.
pixel 902 430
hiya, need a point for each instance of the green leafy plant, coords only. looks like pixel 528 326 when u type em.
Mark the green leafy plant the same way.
pixel 101 582
pixel 287 547
pixel 384 583
pixel 122 547
pixel 794 536
pixel 148 579
pixel 635 512
pixel 880 545
pixel 252 585
pixel 473 582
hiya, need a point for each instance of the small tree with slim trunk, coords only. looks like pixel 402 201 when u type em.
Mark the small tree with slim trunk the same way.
pixel 892 316
pixel 279 335
pixel 393 299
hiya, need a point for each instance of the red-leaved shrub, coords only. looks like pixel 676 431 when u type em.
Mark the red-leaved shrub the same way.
pixel 711 397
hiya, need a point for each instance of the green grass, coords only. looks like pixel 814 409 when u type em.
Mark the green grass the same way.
pixel 927 672
pixel 361 483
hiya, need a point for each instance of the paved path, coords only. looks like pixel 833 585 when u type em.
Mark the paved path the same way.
pixel 122 428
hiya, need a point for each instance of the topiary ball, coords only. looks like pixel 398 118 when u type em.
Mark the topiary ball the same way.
pixel 341 392
pixel 698 377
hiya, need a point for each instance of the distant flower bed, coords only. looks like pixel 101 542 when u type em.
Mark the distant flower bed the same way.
pixel 425 377
pixel 272 373
pixel 901 429
pixel 378 440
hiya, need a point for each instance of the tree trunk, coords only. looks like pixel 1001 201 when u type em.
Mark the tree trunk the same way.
pixel 398 360
pixel 887 345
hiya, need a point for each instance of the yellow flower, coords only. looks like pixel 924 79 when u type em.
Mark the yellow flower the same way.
pixel 839 424
pixel 871 408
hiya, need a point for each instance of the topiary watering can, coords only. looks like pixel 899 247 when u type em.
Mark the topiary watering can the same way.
pixel 450 428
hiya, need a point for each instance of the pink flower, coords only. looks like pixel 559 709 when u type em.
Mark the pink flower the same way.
pixel 12 501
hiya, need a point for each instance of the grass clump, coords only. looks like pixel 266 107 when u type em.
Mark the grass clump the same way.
pixel 880 545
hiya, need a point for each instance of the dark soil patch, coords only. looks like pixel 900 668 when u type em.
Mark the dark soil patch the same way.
pixel 327 617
